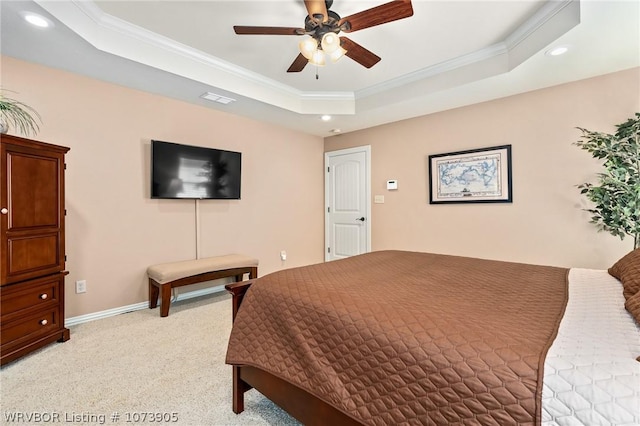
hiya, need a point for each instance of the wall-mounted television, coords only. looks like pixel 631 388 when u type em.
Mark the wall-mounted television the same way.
pixel 194 172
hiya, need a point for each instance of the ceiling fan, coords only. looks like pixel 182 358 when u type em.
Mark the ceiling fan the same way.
pixel 323 25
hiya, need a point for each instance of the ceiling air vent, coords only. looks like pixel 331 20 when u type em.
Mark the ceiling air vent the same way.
pixel 217 98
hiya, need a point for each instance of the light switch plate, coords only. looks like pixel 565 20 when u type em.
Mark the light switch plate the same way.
pixel 378 199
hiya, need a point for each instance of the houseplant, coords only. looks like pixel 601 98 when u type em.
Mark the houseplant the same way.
pixel 17 116
pixel 616 197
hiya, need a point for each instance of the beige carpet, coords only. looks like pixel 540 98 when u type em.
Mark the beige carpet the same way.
pixel 136 363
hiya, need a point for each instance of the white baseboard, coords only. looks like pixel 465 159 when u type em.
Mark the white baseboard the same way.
pixel 69 322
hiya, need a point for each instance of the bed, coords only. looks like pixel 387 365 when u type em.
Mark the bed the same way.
pixel 396 337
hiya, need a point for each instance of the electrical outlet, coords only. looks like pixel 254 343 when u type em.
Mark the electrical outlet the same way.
pixel 81 286
pixel 283 255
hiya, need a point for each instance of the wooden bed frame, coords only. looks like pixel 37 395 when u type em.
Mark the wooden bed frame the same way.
pixel 299 403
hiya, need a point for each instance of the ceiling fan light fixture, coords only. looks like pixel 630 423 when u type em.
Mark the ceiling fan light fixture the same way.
pixel 308 47
pixel 318 58
pixel 330 42
pixel 337 54
pixel 323 26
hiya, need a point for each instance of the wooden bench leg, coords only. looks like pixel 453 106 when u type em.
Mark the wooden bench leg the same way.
pixel 252 271
pixel 154 292
pixel 163 290
pixel 166 300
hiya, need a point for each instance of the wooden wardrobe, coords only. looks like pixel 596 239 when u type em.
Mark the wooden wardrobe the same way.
pixel 32 246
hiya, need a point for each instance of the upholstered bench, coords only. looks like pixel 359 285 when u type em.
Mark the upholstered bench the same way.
pixel 165 276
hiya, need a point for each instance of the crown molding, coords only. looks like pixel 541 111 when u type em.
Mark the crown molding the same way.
pixel 118 37
pixel 548 12
pixel 546 25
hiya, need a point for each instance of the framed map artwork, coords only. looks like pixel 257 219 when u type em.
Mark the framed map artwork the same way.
pixel 473 176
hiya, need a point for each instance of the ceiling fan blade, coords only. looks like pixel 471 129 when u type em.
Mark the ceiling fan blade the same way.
pixel 317 10
pixel 298 64
pixel 239 29
pixel 358 53
pixel 382 14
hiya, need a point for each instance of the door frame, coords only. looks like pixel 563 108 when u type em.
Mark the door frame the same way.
pixel 327 155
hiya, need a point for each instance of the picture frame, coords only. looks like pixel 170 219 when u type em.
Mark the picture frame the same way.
pixel 472 176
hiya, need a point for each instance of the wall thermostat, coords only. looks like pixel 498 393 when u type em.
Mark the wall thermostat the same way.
pixel 392 184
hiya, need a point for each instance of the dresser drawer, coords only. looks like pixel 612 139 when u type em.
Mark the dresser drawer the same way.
pixel 30 326
pixel 32 295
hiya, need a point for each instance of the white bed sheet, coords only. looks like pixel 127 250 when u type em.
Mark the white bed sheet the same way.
pixel 591 375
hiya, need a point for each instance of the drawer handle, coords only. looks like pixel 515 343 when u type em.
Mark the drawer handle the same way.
pixel 44 322
pixel 44 296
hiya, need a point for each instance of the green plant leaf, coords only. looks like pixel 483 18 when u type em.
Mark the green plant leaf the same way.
pixel 18 116
pixel 616 197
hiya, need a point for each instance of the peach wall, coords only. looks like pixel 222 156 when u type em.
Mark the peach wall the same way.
pixel 114 230
pixel 545 224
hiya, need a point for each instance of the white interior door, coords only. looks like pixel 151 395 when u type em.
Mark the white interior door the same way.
pixel 347 202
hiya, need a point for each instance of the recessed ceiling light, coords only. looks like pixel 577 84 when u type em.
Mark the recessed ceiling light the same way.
pixel 336 130
pixel 557 51
pixel 325 117
pixel 37 20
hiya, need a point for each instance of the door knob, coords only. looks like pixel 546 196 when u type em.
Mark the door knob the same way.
pixel 4 210
pixel 361 219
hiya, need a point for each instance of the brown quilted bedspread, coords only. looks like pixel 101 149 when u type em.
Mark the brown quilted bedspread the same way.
pixel 395 337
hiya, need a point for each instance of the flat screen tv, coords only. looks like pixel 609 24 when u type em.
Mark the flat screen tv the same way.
pixel 194 172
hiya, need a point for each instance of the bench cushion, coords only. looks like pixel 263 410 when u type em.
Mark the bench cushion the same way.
pixel 167 272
